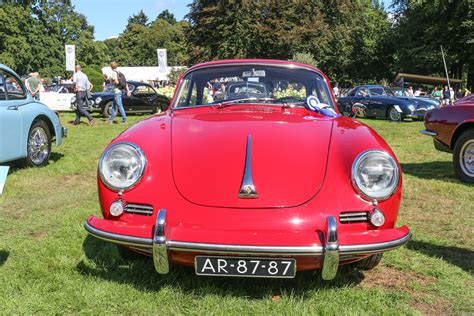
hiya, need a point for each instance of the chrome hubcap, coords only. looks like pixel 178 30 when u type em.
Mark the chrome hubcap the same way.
pixel 394 115
pixel 38 145
pixel 466 158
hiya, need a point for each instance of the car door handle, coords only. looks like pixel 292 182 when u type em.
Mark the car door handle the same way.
pixel 13 108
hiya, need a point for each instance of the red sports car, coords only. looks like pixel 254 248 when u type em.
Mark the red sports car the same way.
pixel 452 129
pixel 249 184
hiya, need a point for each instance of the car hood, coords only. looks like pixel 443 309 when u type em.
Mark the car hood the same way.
pixel 288 154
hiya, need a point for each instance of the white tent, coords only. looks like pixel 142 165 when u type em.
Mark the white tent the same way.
pixel 144 74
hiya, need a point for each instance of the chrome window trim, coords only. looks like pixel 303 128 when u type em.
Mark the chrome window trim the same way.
pixel 142 158
pixel 247 63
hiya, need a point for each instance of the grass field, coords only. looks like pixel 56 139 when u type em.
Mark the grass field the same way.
pixel 48 264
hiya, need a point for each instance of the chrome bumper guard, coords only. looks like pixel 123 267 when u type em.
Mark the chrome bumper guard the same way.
pixel 160 246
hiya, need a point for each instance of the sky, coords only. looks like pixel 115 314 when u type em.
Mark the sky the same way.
pixel 109 17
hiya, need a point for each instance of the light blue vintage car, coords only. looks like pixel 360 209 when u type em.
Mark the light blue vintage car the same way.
pixel 27 127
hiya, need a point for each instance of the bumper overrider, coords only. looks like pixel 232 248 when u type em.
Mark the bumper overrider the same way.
pixel 160 245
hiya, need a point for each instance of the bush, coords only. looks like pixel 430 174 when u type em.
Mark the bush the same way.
pixel 95 77
pixel 305 58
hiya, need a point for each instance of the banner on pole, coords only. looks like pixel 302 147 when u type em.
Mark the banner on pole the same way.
pixel 70 57
pixel 162 60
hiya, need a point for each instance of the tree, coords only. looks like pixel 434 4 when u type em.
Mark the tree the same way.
pixel 167 16
pixel 140 18
pixel 305 58
pixel 344 37
pixel 420 28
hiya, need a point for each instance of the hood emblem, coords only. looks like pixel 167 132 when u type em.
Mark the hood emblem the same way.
pixel 247 189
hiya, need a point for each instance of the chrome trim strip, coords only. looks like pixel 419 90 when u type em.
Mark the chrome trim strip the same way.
pixel 160 251
pixel 374 248
pixel 117 238
pixel 331 253
pixel 428 132
pixel 247 189
pixel 241 249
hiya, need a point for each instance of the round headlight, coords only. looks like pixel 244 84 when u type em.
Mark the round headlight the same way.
pixel 98 100
pixel 375 175
pixel 411 107
pixel 121 166
pixel 73 100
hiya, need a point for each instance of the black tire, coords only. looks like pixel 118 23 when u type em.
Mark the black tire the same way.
pixel 393 115
pixel 368 263
pixel 38 146
pixel 463 156
pixel 107 110
pixel 127 254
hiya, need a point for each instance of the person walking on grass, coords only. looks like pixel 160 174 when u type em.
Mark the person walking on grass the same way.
pixel 82 86
pixel 118 79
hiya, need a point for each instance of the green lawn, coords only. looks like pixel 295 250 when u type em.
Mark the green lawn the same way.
pixel 48 264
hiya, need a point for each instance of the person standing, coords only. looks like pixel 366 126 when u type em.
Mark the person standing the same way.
pixel 120 82
pixel 82 86
pixel 335 91
pixel 417 92
pixel 410 91
pixel 33 85
pixel 459 94
pixel 446 95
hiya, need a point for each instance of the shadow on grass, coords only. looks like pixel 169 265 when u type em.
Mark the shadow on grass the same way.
pixel 3 257
pixel 463 258
pixel 433 170
pixel 106 264
pixel 21 164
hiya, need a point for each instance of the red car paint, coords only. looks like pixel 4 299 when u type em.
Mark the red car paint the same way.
pixel 301 164
pixel 450 121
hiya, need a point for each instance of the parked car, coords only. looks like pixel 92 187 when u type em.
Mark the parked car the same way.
pixel 245 89
pixel 407 95
pixel 452 129
pixel 58 97
pixel 380 101
pixel 246 187
pixel 27 127
pixel 144 99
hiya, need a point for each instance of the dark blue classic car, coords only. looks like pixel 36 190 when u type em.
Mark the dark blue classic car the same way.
pixel 380 101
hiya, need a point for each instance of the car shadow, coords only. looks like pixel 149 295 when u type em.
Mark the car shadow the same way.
pixel 432 170
pixel 3 256
pixel 103 262
pixel 463 258
pixel 21 164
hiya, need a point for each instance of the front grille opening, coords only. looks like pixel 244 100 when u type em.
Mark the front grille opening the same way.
pixel 353 217
pixel 139 209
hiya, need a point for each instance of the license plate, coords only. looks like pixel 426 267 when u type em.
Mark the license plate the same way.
pixel 245 267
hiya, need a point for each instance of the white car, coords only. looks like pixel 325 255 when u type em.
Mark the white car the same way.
pixel 58 98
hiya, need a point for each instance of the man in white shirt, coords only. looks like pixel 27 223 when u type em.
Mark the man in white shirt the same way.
pixel 82 85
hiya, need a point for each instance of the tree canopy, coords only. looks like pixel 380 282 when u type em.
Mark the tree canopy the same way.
pixel 352 41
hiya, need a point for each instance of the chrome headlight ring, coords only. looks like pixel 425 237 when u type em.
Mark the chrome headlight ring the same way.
pixel 121 166
pixel 372 165
pixel 98 100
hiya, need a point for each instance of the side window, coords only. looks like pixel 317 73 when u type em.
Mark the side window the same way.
pixel 362 92
pixel 13 88
pixel 2 87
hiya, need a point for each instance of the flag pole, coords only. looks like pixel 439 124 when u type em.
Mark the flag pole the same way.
pixel 445 68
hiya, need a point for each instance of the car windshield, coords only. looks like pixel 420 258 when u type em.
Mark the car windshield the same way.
pixel 381 91
pixel 252 83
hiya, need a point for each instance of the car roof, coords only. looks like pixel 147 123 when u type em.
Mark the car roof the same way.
pixel 136 83
pixel 254 61
pixel 5 67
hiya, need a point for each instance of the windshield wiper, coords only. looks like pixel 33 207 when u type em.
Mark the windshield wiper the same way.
pixel 232 102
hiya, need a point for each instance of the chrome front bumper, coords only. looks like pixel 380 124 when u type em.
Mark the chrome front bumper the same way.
pixel 160 246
